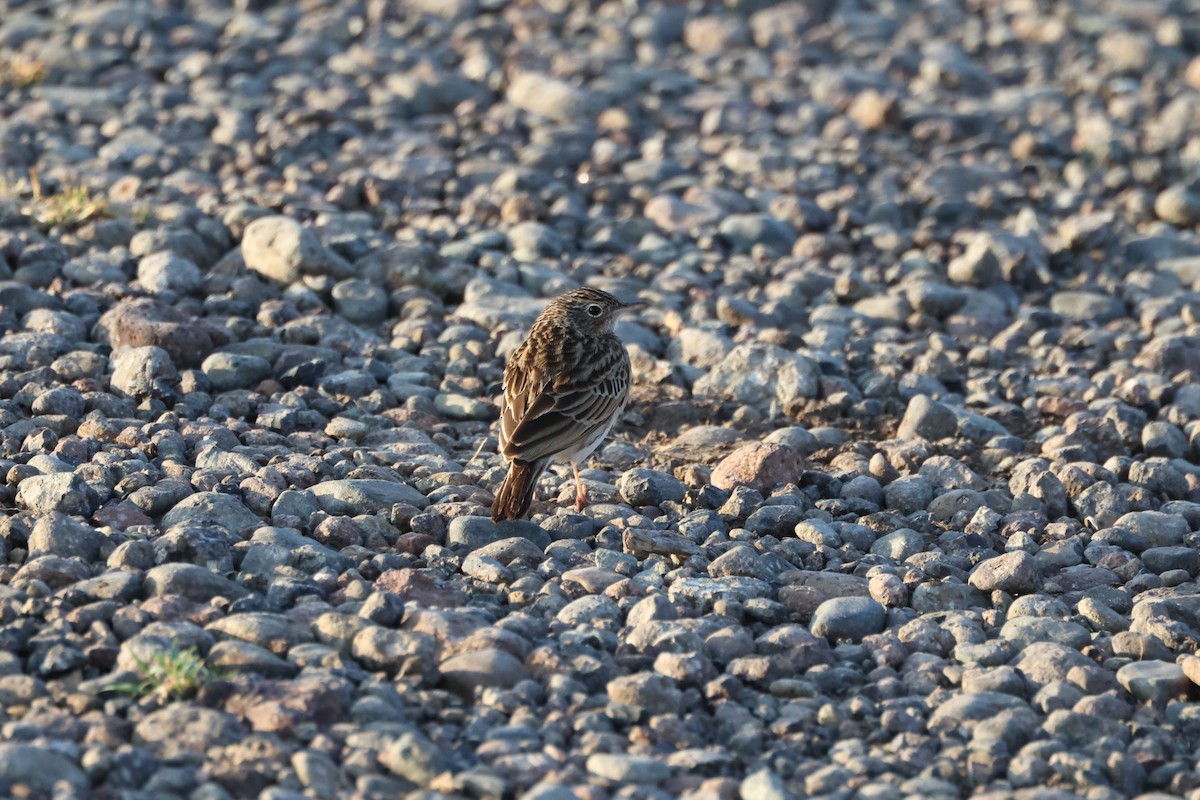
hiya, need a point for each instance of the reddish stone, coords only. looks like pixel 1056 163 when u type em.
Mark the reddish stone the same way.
pixel 414 543
pixel 759 465
pixel 338 532
pixel 121 516
pixel 176 608
pixel 420 587
pixel 279 706
pixel 142 321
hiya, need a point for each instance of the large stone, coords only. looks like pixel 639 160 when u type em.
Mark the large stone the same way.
pixel 191 581
pixel 63 492
pixel 414 757
pixel 212 508
pixel 227 371
pixel 848 618
pixel 490 667
pixel 59 535
pixel 759 465
pixel 143 322
pixel 274 632
pixel 142 371
pixel 552 98
pixel 400 653
pixel 39 768
pixel 965 711
pixel 282 249
pixel 1016 573
pixel 811 588
pixel 761 374
pixel 926 418
pixel 185 730
pixel 365 496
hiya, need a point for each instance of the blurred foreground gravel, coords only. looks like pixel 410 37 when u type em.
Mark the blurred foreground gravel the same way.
pixel 907 504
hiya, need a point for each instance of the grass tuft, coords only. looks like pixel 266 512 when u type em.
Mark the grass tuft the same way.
pixel 172 673
pixel 69 207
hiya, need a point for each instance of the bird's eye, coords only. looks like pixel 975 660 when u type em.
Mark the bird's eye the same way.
pixel 594 310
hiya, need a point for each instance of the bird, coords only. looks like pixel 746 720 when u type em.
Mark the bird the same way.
pixel 564 388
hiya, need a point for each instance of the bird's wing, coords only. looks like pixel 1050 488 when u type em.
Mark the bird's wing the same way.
pixel 544 416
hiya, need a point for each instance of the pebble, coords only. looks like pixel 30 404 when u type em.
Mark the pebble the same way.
pixel 744 231
pixel 763 784
pixel 141 372
pixel 146 322
pixel 619 768
pixel 39 768
pixel 59 535
pixel 649 692
pixel 414 757
pixel 63 492
pixel 759 466
pixel 360 302
pixel 927 419
pixel 550 97
pixel 848 618
pixel 186 731
pixel 227 371
pixel 191 581
pixel 647 487
pixel 467 672
pixel 365 496
pixel 978 265
pixel 163 272
pixel 1179 205
pixel 281 249
pixel 760 375
pixel 274 632
pixel 394 652
pixel 1015 573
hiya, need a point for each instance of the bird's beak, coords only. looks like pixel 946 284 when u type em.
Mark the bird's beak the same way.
pixel 627 308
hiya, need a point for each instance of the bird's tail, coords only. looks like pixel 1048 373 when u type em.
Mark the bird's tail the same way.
pixel 516 490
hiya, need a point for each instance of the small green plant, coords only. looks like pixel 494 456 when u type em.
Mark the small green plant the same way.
pixel 69 207
pixel 20 72
pixel 171 673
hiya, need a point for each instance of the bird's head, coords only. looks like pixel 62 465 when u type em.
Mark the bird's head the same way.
pixel 592 310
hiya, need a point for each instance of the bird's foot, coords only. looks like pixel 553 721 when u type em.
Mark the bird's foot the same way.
pixel 581 499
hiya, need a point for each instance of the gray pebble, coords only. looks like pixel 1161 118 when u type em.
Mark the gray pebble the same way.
pixel 282 250
pixel 978 265
pixel 360 302
pixel 1164 439
pixel 39 768
pixel 60 535
pixel 1015 573
pixel 231 371
pixel 190 581
pixel 849 618
pixel 648 487
pixel 163 272
pixel 621 768
pixel 186 730
pixel 62 492
pixel 927 419
pixel 1178 205
pixel 743 231
pixel 142 371
pixel 394 652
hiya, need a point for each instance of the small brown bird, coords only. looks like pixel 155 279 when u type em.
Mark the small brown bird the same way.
pixel 564 389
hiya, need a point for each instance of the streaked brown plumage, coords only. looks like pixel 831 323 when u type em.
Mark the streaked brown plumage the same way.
pixel 564 389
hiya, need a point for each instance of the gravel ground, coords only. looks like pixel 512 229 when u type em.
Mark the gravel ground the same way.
pixel 907 503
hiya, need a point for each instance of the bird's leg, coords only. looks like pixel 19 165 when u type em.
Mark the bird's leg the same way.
pixel 581 494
